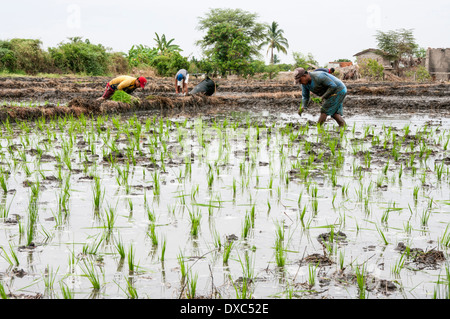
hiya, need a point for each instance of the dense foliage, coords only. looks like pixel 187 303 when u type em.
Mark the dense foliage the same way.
pixel 371 69
pixel 79 56
pixel 23 56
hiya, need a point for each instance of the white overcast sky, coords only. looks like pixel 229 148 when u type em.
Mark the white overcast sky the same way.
pixel 328 29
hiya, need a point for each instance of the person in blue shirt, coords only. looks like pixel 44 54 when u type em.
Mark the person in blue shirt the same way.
pixel 181 82
pixel 330 88
pixel 331 70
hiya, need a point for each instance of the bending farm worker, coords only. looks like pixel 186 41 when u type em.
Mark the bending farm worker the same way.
pixel 125 83
pixel 326 85
pixel 181 81
pixel 331 71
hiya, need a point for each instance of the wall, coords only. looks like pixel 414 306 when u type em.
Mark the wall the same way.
pixel 437 63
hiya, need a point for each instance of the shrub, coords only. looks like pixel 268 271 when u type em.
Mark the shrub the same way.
pixel 422 74
pixel 118 63
pixel 169 64
pixel 79 56
pixel 7 57
pixel 24 55
pixel 177 62
pixel 371 69
pixel 141 54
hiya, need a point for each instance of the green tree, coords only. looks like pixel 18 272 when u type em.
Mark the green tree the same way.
pixel 228 47
pixel 275 40
pixel 303 61
pixel 244 21
pixel 204 65
pixel 164 46
pixel 398 46
pixel 141 55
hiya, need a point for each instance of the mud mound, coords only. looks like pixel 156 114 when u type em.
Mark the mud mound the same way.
pixel 78 106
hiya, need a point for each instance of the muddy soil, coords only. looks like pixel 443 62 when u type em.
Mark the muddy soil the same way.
pixel 30 97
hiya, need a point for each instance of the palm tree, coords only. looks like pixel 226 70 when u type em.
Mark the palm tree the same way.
pixel 275 40
pixel 164 46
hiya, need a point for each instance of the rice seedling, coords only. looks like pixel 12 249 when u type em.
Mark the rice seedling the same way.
pixel 97 193
pixel 216 240
pixel 280 250
pixel 382 235
pixel 5 209
pixel 163 250
pixel 32 220
pixel 192 286
pixel 361 278
pixel 341 260
pixel 195 218
pixel 66 292
pixel 227 251
pixel 183 267
pixel 131 290
pixel 131 261
pixel 424 217
pixel 120 248
pixel 244 291
pixel 315 206
pixel 442 289
pixel 398 266
pixel 49 277
pixel 152 235
pixel 3 293
pixel 416 194
pixel 91 273
pixel 444 240
pixel 439 169
pixel 312 271
pixel 109 217
pixel 246 226
pixel 13 260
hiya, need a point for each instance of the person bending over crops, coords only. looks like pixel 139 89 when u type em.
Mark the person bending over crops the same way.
pixel 181 81
pixel 331 70
pixel 125 83
pixel 326 85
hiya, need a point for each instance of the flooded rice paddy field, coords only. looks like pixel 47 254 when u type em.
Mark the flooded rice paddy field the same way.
pixel 235 203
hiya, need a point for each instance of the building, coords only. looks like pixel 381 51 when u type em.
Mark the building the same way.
pixel 437 63
pixel 373 54
pixel 339 64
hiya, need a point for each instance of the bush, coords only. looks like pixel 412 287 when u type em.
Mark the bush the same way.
pixel 169 64
pixel 141 55
pixel 24 55
pixel 422 74
pixel 79 56
pixel 7 57
pixel 118 63
pixel 371 69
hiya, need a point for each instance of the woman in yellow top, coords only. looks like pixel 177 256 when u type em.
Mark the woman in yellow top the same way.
pixel 125 83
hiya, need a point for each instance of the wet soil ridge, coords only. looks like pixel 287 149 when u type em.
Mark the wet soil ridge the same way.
pixel 86 106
